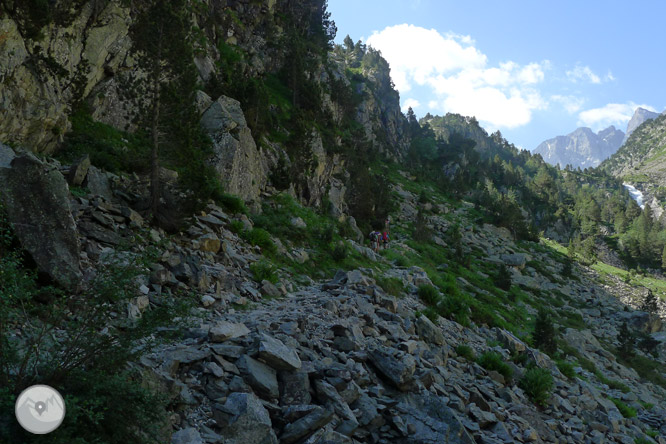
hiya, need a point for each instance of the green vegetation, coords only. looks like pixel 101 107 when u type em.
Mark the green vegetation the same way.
pixel 260 237
pixel 538 385
pixel 494 361
pixel 391 285
pixel 627 412
pixel 465 351
pixel 87 364
pixel 566 368
pixel 544 333
pixel 264 270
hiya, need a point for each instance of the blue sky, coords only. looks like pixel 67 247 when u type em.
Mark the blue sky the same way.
pixel 532 69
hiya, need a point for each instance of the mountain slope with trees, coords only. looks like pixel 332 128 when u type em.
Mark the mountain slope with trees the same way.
pixel 214 168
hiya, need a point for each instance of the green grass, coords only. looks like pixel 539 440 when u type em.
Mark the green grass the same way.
pixel 538 385
pixel 465 351
pixel 391 285
pixel 566 368
pixel 493 361
pixel 627 412
pixel 264 270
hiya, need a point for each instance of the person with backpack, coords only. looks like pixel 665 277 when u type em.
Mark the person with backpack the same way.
pixel 385 239
pixel 374 240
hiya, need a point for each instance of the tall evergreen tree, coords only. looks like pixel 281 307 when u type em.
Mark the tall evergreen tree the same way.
pixel 544 333
pixel 626 341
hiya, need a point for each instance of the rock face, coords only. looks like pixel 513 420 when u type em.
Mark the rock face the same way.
pixel 36 199
pixel 236 157
pixel 581 148
pixel 38 75
pixel 640 115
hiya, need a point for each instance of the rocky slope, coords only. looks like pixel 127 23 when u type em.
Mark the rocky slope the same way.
pixel 340 360
pixel 581 148
pixel 641 158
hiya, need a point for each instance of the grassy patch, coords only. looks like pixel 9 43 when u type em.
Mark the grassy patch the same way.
pixel 391 285
pixel 493 361
pixel 627 412
pixel 538 385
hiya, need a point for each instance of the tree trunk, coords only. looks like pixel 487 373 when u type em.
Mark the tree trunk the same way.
pixel 155 186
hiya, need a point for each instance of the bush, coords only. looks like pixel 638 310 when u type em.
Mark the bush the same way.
pixel 339 251
pixel 627 412
pixel 236 226
pixel 107 402
pixel 264 270
pixel 233 204
pixel 391 285
pixel 493 361
pixel 538 385
pixel 429 294
pixel 465 351
pixel 260 237
pixel 566 368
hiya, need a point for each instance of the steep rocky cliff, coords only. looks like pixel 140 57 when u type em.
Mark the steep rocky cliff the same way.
pixel 84 52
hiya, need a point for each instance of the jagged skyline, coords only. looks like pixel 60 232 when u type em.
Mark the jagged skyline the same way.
pixel 503 64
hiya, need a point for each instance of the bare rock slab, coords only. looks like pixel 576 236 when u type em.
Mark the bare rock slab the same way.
pixel 274 353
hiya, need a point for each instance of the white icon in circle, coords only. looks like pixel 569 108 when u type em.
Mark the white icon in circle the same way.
pixel 40 409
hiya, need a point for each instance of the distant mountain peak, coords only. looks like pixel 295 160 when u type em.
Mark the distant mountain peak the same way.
pixel 640 115
pixel 582 147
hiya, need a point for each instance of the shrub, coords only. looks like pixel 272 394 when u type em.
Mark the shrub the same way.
pixel 264 270
pixel 566 368
pixel 260 237
pixel 465 351
pixel 87 364
pixel 428 294
pixel 544 333
pixel 233 204
pixel 391 285
pixel 236 226
pixel 626 340
pixel 493 361
pixel 627 412
pixel 538 385
pixel 339 251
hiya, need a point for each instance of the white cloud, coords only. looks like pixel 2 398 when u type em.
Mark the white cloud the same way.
pixel 410 103
pixel 611 114
pixel 571 104
pixel 585 74
pixel 458 73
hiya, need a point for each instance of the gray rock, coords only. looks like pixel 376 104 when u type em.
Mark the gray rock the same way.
pixel 429 420
pixel 514 260
pixel 236 159
pixel 509 341
pixel 274 353
pixel 6 156
pixel 270 290
pixel 428 331
pixel 261 377
pixel 36 199
pixel 307 425
pixel 397 367
pixel 294 388
pixel 186 436
pixel 223 331
pixel 78 171
pixel 243 420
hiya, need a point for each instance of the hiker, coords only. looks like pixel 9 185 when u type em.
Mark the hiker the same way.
pixel 374 240
pixel 385 239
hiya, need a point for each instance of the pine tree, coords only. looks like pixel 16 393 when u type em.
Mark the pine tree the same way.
pixel 626 340
pixel 650 303
pixel 503 278
pixel 544 333
pixel 663 258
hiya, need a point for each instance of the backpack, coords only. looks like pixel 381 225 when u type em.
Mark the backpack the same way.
pixel 385 236
pixel 373 236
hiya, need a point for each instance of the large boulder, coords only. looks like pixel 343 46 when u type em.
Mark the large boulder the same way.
pixel 236 158
pixel 277 355
pixel 397 367
pixel 36 199
pixel 244 419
